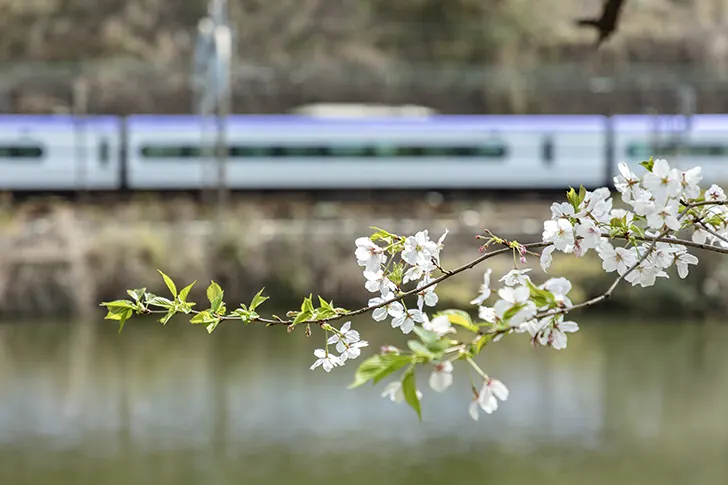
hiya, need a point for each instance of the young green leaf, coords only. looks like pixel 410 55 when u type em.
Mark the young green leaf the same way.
pixel 460 318
pixel 166 317
pixel 420 349
pixel 377 367
pixel 258 299
pixel 211 327
pixel 648 164
pixel 123 318
pixel 203 317
pixel 215 295
pixel 184 292
pixel 120 304
pixel 425 335
pixel 170 284
pixel 582 195
pixel 161 302
pixel 302 317
pixel 409 387
pixel 137 294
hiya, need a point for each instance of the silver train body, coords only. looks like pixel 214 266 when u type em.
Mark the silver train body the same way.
pixel 149 152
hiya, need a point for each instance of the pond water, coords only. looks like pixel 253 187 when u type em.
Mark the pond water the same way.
pixel 627 403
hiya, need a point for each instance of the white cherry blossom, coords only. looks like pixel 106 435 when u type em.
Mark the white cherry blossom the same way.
pixel 369 255
pixel 441 378
pixel 394 392
pixel 645 275
pixel 591 235
pixel 326 360
pixel 440 246
pixel 487 314
pixel 406 320
pixel 682 260
pixel 619 259
pixel 418 271
pixel 377 282
pixel 352 351
pixel 343 337
pixel 555 336
pixel 561 209
pixel 689 181
pixel 715 194
pixel 393 309
pixel 440 325
pixel 427 296
pixel 627 183
pixel 662 181
pixel 546 258
pixel 559 232
pixel 418 249
pixel 516 277
pixel 492 391
pixel 484 290
pixel 664 216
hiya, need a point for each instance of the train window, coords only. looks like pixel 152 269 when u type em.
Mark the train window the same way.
pixel 646 150
pixel 21 151
pixel 104 152
pixel 372 150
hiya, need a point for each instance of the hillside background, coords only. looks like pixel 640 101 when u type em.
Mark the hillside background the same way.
pixel 457 56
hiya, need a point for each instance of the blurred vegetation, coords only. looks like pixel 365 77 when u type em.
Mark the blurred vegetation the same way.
pixel 502 56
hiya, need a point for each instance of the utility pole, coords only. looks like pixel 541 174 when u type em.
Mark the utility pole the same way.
pixel 212 85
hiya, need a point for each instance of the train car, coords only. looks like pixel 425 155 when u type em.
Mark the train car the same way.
pixel 300 152
pixel 60 152
pixel 701 140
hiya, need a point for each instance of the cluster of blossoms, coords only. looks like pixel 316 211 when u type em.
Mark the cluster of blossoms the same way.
pixel 656 206
pixel 639 242
pixel 655 200
pixel 348 344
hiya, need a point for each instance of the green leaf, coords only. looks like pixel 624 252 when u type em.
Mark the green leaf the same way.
pixel 482 342
pixel 204 317
pixel 184 292
pixel 123 318
pixel 396 274
pixel 137 294
pixel 214 295
pixel 582 194
pixel 120 304
pixel 161 302
pixel 409 387
pixel 648 164
pixel 378 367
pixel 460 318
pixel 307 305
pixel 258 299
pixel 420 349
pixel 540 297
pixel 572 198
pixel 170 284
pixel 381 234
pixel 302 317
pixel 211 327
pixel 167 317
pixel 425 335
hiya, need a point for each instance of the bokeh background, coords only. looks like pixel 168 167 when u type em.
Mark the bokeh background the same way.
pixel 638 397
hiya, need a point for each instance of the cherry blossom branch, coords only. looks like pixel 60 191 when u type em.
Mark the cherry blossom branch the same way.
pixel 401 296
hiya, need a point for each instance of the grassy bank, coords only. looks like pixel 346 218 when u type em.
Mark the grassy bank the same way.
pixel 291 248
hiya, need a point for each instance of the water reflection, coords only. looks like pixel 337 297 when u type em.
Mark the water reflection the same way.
pixel 626 403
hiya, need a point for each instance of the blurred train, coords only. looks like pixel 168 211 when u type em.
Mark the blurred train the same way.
pixel 298 152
